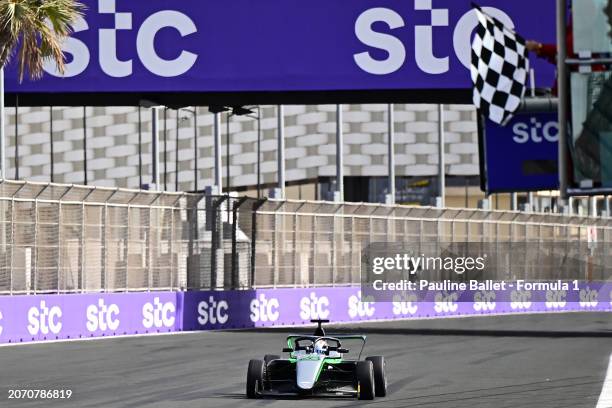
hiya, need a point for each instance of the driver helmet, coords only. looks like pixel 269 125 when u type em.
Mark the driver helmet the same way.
pixel 321 347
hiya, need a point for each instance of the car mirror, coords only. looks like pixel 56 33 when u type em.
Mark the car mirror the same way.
pixel 343 350
pixel 287 350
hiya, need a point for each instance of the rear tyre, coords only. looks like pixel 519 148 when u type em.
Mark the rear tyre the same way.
pixel 365 380
pixel 380 376
pixel 255 376
pixel 270 357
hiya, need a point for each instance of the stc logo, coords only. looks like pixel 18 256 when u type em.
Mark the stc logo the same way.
pixel 446 302
pixel 588 298
pixel 43 319
pixel 313 307
pixel 556 299
pixel 212 311
pixel 158 314
pixel 423 38
pixel 525 132
pixel 406 306
pixel 111 63
pixel 358 308
pixel 264 310
pixel 102 317
pixel 520 300
pixel 484 301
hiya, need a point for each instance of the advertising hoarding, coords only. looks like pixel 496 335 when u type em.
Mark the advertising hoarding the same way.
pixel 523 155
pixel 248 46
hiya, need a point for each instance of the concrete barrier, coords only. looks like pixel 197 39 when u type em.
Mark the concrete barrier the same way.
pixel 74 316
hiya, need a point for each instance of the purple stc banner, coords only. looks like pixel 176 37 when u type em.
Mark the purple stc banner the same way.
pixel 523 155
pixel 73 316
pixel 281 45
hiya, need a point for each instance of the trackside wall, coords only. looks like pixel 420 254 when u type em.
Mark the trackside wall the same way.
pixel 74 316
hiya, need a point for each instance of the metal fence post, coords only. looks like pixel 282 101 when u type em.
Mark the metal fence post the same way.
pixel 334 252
pixel 81 276
pixel 236 206
pixel 127 250
pixel 295 245
pixel 104 276
pixel 313 268
pixel 149 250
pixel 12 278
pixel 35 248
pixel 352 249
pixel 275 250
pixel 59 245
pixel 216 239
pixel 171 248
pixel 256 206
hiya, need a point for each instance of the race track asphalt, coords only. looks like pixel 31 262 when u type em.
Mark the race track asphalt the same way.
pixel 540 361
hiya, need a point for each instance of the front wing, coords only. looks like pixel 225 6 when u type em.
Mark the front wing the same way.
pixel 335 380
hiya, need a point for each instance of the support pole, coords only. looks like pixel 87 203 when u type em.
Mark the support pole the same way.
pixel 563 97
pixel 391 153
pixel 139 147
pixel 593 207
pixel 16 137
pixel 217 147
pixel 227 153
pixel 339 194
pixel 256 207
pixel 51 152
pixel 514 201
pixel 154 150
pixel 196 167
pixel 281 152
pixel 441 159
pixel 258 152
pixel 176 150
pixel 85 145
pixel 165 148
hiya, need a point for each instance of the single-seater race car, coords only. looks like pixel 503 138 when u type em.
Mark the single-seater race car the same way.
pixel 317 367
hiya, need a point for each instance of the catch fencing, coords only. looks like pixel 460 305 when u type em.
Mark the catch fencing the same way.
pixel 62 239
pixel 303 243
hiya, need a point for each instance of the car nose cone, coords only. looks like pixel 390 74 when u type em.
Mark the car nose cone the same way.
pixel 308 371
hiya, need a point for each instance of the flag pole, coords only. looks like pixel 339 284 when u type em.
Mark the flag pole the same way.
pixel 563 97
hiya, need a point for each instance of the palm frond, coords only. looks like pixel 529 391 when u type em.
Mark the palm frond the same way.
pixel 35 31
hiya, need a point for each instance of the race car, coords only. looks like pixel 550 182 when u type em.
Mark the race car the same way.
pixel 317 367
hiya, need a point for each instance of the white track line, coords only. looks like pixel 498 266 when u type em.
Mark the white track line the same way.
pixel 605 398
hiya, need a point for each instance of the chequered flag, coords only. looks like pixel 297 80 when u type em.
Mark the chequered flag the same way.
pixel 499 69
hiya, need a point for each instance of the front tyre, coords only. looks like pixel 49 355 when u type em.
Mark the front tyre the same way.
pixel 255 377
pixel 380 375
pixel 270 357
pixel 365 380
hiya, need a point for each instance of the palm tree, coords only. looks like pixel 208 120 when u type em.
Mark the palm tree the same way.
pixel 37 28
